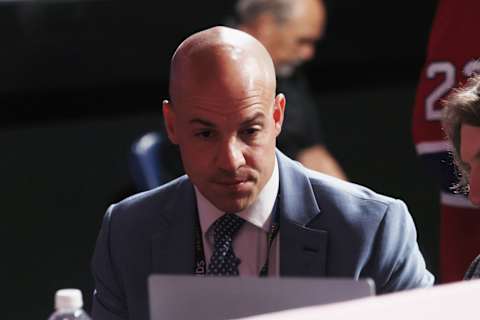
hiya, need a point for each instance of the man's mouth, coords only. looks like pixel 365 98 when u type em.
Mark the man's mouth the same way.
pixel 231 182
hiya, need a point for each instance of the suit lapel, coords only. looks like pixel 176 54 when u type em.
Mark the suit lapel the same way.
pixel 302 249
pixel 173 248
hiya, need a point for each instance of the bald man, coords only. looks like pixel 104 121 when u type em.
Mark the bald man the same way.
pixel 289 31
pixel 244 208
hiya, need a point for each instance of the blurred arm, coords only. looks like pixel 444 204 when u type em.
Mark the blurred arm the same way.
pixel 318 158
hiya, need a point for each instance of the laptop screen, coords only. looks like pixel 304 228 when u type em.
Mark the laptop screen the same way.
pixel 193 297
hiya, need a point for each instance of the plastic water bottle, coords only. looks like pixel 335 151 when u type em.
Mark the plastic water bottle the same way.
pixel 68 306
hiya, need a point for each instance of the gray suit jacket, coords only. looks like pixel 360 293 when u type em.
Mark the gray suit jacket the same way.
pixel 328 228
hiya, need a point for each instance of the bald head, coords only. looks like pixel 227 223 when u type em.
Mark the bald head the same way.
pixel 220 59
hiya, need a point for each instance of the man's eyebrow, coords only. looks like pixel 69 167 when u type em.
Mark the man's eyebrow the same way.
pixel 257 116
pixel 201 122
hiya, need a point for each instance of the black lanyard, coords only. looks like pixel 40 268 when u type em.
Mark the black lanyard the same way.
pixel 200 263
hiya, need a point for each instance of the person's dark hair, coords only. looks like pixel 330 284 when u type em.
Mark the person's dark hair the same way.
pixel 462 106
pixel 247 11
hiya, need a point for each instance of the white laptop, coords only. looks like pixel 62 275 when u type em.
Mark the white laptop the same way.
pixel 212 298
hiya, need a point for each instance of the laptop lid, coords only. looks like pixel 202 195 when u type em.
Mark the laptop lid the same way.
pixel 194 297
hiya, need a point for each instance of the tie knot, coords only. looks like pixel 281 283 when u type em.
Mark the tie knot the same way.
pixel 227 226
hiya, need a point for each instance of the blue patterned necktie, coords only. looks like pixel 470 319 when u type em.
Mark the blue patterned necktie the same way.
pixel 223 261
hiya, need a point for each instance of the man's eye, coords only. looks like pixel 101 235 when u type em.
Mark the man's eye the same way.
pixel 204 134
pixel 251 131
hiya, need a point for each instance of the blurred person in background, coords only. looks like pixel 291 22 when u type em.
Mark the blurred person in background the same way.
pixel 461 122
pixel 451 58
pixel 289 30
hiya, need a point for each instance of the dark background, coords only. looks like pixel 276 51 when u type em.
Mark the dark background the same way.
pixel 80 80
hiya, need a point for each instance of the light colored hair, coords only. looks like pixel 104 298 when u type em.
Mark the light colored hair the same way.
pixel 247 11
pixel 462 106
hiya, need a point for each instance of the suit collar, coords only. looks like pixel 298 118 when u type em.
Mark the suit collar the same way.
pixel 298 201
pixel 302 249
pixel 173 245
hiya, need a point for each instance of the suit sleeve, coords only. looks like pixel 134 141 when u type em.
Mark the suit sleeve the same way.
pixel 397 257
pixel 109 302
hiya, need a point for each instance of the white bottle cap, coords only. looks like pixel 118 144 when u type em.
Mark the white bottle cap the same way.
pixel 68 299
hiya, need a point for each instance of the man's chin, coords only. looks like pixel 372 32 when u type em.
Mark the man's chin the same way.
pixel 234 205
pixel 233 197
pixel 286 71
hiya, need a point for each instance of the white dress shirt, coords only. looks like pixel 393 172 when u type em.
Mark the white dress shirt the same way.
pixel 250 243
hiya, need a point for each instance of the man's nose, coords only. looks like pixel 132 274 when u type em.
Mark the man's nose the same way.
pixel 230 156
pixel 308 52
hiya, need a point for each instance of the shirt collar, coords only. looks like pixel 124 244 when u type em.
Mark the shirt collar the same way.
pixel 258 213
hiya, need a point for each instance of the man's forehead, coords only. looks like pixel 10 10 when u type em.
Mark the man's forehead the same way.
pixel 246 116
pixel 224 106
pixel 225 92
pixel 308 17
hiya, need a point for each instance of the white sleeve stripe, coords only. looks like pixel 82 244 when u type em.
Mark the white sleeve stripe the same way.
pixel 433 147
pixel 456 200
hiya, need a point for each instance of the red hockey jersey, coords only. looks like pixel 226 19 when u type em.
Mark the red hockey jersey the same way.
pixel 452 56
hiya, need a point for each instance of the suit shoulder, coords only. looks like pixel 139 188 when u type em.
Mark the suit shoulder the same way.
pixel 150 203
pixel 346 188
pixel 353 199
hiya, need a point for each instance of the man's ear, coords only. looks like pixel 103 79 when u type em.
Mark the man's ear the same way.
pixel 169 119
pixel 279 112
